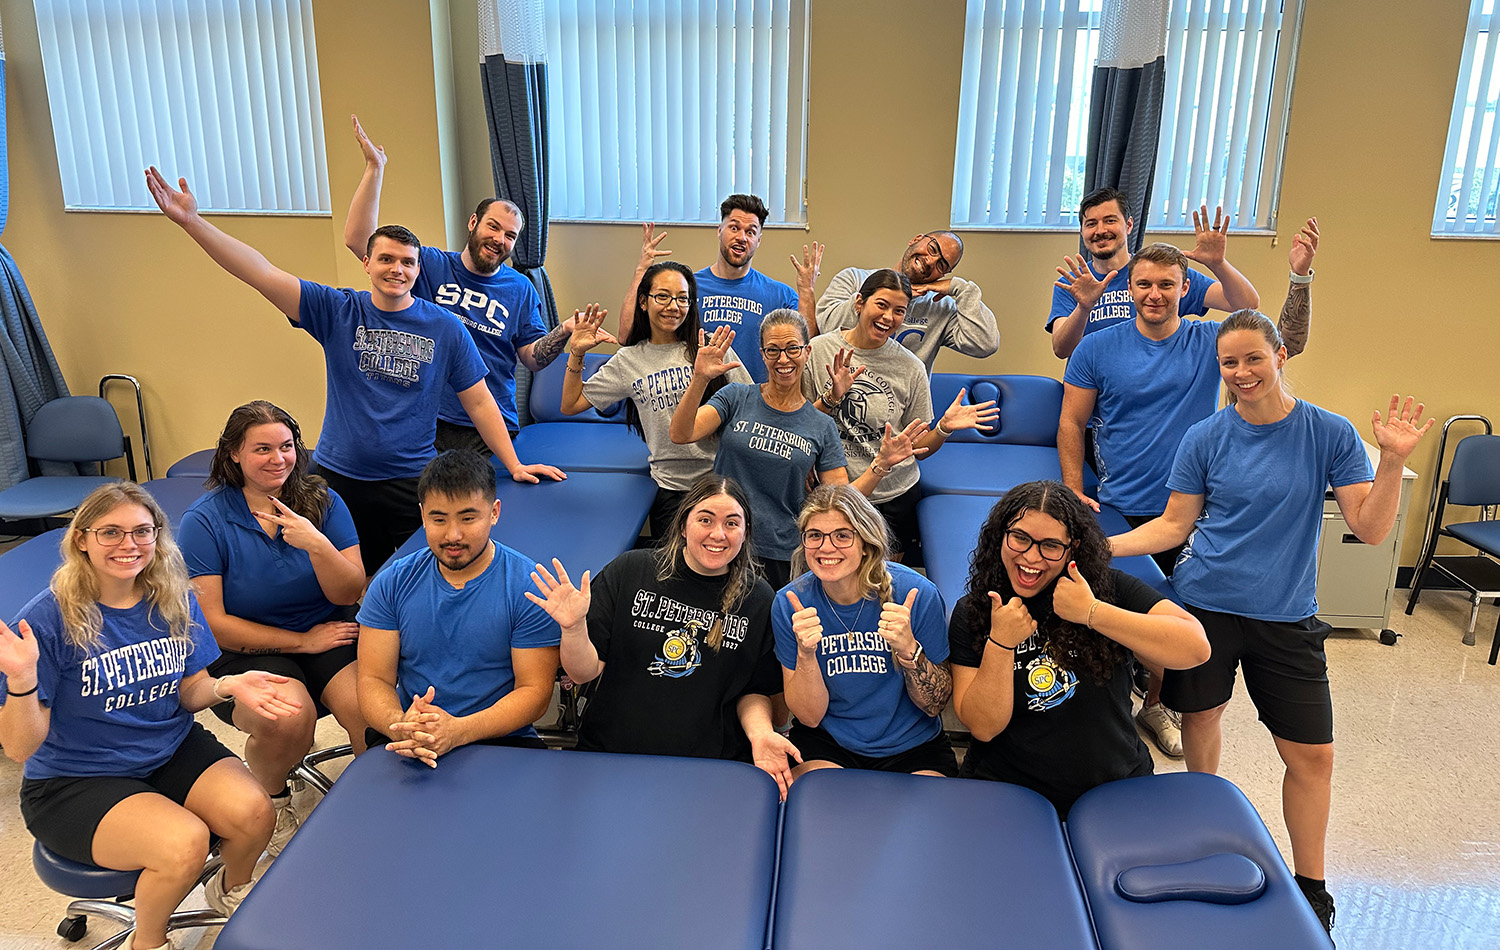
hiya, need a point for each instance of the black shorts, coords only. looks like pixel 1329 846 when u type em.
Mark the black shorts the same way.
pixel 63 813
pixel 1286 674
pixel 1166 560
pixel 385 513
pixel 901 517
pixel 934 755
pixel 376 740
pixel 778 573
pixel 313 670
pixel 452 435
pixel 663 510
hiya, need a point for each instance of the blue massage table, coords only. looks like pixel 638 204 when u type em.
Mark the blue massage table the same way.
pixel 197 465
pixel 587 520
pixel 950 524
pixel 176 495
pixel 26 569
pixel 592 441
pixel 524 848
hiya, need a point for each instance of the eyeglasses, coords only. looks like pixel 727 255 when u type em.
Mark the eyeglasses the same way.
pixel 1050 549
pixel 773 353
pixel 112 536
pixel 842 539
pixel 936 250
pixel 663 298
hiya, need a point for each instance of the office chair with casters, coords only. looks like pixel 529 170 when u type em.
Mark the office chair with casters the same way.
pixel 100 892
pixel 1473 481
pixel 67 429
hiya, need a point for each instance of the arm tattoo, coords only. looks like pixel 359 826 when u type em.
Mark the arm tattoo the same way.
pixel 929 685
pixel 549 347
pixel 261 651
pixel 1296 317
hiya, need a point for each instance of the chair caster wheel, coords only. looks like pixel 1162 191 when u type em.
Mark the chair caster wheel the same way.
pixel 72 929
pixel 1388 637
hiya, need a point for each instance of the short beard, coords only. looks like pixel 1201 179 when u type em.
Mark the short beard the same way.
pixel 476 246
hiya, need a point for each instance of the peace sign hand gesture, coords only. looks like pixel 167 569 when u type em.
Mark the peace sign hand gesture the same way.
pixel 1398 435
pixel 295 529
pixel 711 353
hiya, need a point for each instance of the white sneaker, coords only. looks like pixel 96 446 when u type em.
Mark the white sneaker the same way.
pixel 224 902
pixel 1164 728
pixel 169 945
pixel 287 823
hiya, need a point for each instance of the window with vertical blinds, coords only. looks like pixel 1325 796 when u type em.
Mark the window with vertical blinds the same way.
pixel 1470 181
pixel 223 93
pixel 1024 109
pixel 657 111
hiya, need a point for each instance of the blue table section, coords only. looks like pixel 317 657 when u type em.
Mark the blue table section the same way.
pixel 176 495
pixel 587 520
pixel 524 848
pixel 26 570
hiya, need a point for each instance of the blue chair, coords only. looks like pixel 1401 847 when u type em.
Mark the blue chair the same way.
pixel 592 441
pixel 69 429
pixel 1473 481
pixel 101 892
pixel 195 465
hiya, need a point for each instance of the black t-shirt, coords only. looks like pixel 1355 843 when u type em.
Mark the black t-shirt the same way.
pixel 1067 733
pixel 664 690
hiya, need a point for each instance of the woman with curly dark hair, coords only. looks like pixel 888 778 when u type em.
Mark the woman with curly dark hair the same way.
pixel 1041 643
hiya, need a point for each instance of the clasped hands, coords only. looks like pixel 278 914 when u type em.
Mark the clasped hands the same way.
pixel 426 731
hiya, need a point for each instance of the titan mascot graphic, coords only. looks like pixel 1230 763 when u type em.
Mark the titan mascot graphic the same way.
pixel 679 654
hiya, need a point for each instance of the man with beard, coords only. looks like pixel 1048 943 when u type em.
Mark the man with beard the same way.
pixel 1094 294
pixel 497 305
pixel 944 311
pixel 450 650
pixel 730 292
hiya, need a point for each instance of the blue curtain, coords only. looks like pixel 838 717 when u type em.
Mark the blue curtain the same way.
pixel 32 376
pixel 515 107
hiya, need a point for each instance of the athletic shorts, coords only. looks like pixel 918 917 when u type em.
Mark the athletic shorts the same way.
pixel 901 518
pixel 63 813
pixel 1286 674
pixel 934 755
pixel 313 670
pixel 663 510
pixel 385 512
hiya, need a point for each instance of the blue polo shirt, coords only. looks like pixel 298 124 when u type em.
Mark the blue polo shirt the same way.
pixel 741 305
pixel 265 579
pixel 502 313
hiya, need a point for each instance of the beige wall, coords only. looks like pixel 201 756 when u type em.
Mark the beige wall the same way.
pixel 1393 309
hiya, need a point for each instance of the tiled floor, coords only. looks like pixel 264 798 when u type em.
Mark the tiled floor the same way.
pixel 1414 843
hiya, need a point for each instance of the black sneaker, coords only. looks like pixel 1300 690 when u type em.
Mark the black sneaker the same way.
pixel 1322 905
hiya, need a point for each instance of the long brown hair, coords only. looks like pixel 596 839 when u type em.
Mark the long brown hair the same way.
pixel 305 494
pixel 744 570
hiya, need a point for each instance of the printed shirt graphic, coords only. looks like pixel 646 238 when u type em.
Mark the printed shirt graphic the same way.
pixel 741 305
pixel 116 710
pixel 502 313
pixel 664 690
pixel 1116 305
pixel 869 711
pixel 770 452
pixel 387 373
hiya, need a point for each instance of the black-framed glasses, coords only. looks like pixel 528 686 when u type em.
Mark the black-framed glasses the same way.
pixel 936 250
pixel 842 538
pixel 773 353
pixel 1051 549
pixel 663 298
pixel 111 536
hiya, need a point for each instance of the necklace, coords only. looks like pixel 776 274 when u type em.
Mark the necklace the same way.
pixel 835 609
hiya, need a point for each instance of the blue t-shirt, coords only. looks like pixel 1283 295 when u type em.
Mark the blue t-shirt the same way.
pixel 741 305
pixel 869 711
pixel 458 640
pixel 115 711
pixel 770 452
pixel 1116 306
pixel 265 579
pixel 387 373
pixel 1148 392
pixel 1254 549
pixel 502 312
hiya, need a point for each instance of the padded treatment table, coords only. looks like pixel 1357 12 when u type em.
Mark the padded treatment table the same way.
pixel 1118 847
pixel 502 847
pixel 950 526
pixel 586 520
pixel 26 569
pixel 592 441
pixel 196 465
pixel 878 859
pixel 176 495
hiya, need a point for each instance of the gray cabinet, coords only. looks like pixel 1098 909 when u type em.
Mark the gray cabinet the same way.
pixel 1356 580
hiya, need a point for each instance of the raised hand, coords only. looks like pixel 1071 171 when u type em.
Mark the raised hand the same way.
pixel 1076 278
pixel 18 656
pixel 326 636
pixel 807 268
pixel 564 603
pixel 769 752
pixel 374 154
pixel 1398 435
pixel 1208 249
pixel 710 362
pixel 295 529
pixel 895 625
pixel 1072 598
pixel 261 693
pixel 842 372
pixel 897 447
pixel 1010 621
pixel 650 248
pixel 806 626
pixel 588 331
pixel 960 415
pixel 1304 247
pixel 179 206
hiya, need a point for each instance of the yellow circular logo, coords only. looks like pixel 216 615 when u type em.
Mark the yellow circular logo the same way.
pixel 1042 678
pixel 674 648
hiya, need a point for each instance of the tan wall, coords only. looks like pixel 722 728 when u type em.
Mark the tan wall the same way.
pixel 1373 94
